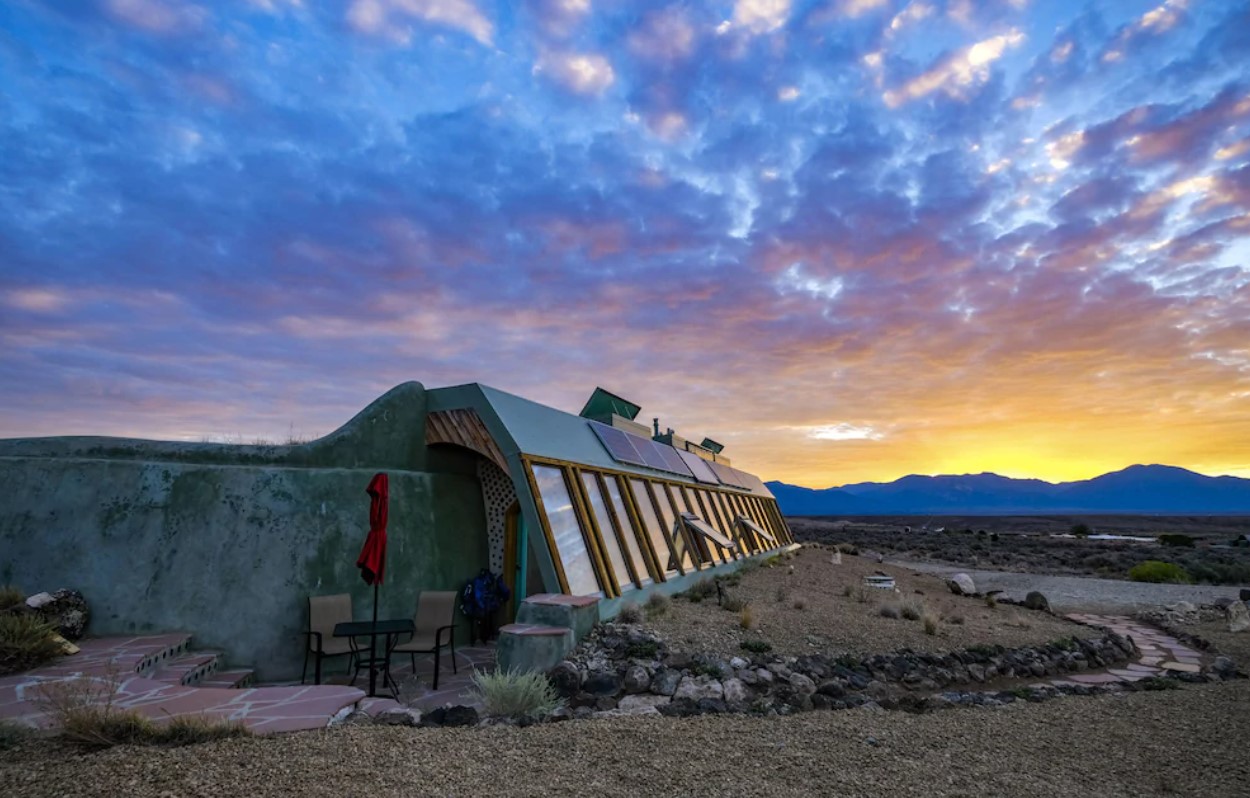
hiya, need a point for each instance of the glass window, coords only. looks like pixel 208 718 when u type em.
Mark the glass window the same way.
pixel 579 569
pixel 708 550
pixel 627 529
pixel 606 530
pixel 655 529
pixel 712 514
pixel 670 523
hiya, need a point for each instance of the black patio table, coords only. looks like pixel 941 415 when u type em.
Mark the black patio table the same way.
pixel 391 630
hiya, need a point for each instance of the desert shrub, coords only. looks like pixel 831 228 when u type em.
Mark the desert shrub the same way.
pixel 1180 541
pixel 644 649
pixel 730 580
pixel 13 734
pixel 956 620
pixel 1157 571
pixel 746 617
pixel 704 588
pixel 772 561
pixel 862 595
pixel 993 537
pixel 657 605
pixel 889 611
pixel 800 604
pixel 10 597
pixel 847 548
pixel 1157 683
pixel 733 604
pixel 1099 561
pixel 930 623
pixel 912 610
pixel 26 642
pixel 509 694
pixel 848 590
pixel 1080 530
pixel 756 646
pixel 629 613
pixel 781 594
pixel 990 601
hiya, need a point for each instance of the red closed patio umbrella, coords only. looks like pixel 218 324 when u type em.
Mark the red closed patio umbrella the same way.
pixel 372 559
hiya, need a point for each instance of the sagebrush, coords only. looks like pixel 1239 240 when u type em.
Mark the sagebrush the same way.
pixel 509 694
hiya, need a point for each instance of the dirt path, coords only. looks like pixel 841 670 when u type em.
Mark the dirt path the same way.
pixel 1071 593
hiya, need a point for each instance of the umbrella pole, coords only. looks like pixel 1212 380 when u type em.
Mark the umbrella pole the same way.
pixel 373 644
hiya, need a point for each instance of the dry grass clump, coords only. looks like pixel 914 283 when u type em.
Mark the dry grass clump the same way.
pixel 84 711
pixel 912 610
pixel 848 591
pixel 930 623
pixel 800 604
pixel 733 604
pixel 629 613
pixel 509 694
pixel 26 641
pixel 657 605
pixel 746 617
pixel 890 611
pixel 955 620
pixel 990 601
pixel 13 734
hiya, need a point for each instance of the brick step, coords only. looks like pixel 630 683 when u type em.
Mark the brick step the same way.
pixel 187 669
pixel 229 680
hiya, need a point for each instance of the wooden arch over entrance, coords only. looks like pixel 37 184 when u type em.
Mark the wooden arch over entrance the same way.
pixel 463 428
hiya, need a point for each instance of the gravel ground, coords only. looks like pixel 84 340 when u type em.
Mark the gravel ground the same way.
pixel 832 623
pixel 1182 742
pixel 1072 593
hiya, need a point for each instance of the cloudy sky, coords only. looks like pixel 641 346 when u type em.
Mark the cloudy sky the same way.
pixel 852 239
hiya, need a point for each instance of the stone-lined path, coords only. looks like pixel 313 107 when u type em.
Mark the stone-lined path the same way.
pixel 1160 652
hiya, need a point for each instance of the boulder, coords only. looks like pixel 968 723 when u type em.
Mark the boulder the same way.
pixel 460 715
pixel 65 610
pixel 602 683
pixel 665 682
pixel 1036 601
pixel 695 688
pixel 735 691
pixel 1238 617
pixel 802 684
pixel 962 585
pixel 637 680
pixel 641 704
pixel 1245 593
pixel 565 678
pixel 399 716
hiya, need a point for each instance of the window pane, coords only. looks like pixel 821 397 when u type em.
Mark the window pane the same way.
pixel 708 551
pixel 712 516
pixel 670 521
pixel 627 529
pixel 610 543
pixel 571 546
pixel 655 528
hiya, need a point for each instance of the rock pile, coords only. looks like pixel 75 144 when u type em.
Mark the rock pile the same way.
pixel 626 670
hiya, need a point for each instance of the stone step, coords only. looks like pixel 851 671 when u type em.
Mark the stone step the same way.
pixel 579 613
pixel 525 647
pixel 229 680
pixel 187 669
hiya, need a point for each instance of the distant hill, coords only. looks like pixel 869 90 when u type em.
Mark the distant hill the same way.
pixel 1139 489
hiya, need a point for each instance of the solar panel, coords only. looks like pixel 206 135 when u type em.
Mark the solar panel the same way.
pixel 673 458
pixel 725 474
pixel 751 483
pixel 651 454
pixel 698 467
pixel 619 444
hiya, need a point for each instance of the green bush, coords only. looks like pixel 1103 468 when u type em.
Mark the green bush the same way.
pixel 1080 530
pixel 1181 541
pixel 646 649
pixel 756 646
pixel 26 642
pixel 509 694
pixel 1156 571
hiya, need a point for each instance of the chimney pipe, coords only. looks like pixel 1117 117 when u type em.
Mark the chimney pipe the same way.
pixel 655 422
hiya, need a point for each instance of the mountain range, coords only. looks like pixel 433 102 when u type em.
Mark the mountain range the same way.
pixel 1136 490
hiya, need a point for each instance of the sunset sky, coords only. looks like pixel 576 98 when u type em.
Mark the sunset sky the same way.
pixel 851 240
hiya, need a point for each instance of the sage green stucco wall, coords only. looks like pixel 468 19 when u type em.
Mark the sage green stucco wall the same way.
pixel 227 543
